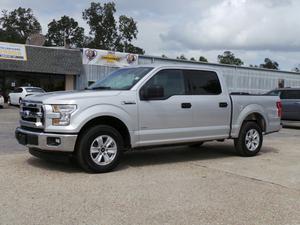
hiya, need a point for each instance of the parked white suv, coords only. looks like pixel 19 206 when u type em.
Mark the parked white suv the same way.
pixel 15 97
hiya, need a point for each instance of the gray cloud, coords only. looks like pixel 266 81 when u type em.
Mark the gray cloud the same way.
pixel 241 24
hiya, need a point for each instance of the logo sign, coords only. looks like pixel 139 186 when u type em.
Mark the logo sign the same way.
pixel 108 58
pixel 25 114
pixel 12 51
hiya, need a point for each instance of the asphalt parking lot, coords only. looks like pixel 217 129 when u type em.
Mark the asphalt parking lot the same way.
pixel 179 185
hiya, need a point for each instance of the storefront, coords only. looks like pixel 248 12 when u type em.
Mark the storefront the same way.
pixel 52 69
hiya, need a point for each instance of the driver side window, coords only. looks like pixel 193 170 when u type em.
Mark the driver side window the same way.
pixel 171 80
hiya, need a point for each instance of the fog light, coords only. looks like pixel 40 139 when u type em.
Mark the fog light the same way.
pixel 53 141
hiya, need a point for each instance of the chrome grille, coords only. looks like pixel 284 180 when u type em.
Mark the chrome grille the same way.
pixel 32 114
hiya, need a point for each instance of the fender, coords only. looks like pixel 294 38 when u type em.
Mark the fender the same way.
pixel 105 110
pixel 81 117
pixel 248 110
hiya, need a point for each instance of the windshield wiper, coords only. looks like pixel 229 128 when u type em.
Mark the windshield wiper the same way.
pixel 101 88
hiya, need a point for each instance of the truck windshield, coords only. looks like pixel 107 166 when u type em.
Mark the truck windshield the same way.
pixel 122 79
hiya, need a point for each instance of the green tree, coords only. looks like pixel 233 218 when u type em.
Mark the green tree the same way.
pixel 181 57
pixel 296 69
pixel 193 59
pixel 127 32
pixel 269 64
pixel 229 58
pixel 16 26
pixel 108 33
pixel 65 31
pixel 203 59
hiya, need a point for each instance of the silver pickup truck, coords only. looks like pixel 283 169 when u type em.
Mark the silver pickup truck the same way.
pixel 142 107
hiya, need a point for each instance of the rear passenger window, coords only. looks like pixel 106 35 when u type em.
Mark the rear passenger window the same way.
pixel 290 94
pixel 202 82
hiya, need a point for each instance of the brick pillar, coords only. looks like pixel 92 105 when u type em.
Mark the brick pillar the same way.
pixel 69 82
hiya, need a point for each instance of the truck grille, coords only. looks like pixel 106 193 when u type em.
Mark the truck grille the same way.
pixel 32 114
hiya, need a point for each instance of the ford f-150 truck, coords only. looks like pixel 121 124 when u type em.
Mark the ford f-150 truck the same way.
pixel 142 107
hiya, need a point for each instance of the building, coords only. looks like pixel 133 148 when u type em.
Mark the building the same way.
pixel 52 69
pixel 57 69
pixel 238 79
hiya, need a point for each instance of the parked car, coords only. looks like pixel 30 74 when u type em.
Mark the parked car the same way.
pixel 290 98
pixel 15 97
pixel 1 101
pixel 142 107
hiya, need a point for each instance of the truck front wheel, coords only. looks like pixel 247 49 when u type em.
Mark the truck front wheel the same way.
pixel 100 149
pixel 250 139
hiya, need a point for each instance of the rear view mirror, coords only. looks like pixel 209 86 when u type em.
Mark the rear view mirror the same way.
pixel 152 92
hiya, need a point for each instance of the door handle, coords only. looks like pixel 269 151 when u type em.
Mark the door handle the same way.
pixel 223 104
pixel 186 105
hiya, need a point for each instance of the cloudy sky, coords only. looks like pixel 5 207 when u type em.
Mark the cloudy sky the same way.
pixel 252 29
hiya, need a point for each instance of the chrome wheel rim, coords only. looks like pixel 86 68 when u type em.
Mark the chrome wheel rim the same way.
pixel 103 150
pixel 252 140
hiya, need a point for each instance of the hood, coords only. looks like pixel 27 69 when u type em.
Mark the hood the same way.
pixel 69 97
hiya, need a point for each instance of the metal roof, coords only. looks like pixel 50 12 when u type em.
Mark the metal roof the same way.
pixel 216 64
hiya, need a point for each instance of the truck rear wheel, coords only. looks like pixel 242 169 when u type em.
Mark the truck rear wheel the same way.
pixel 250 139
pixel 100 149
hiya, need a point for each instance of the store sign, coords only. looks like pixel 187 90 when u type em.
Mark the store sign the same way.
pixel 108 58
pixel 12 51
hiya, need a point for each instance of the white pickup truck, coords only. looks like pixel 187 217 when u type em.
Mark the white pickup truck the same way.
pixel 145 106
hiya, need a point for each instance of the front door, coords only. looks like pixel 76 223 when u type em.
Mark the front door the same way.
pixel 167 119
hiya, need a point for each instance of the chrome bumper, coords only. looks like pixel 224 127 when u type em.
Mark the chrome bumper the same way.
pixel 40 140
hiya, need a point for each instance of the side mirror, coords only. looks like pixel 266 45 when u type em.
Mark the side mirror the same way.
pixel 152 92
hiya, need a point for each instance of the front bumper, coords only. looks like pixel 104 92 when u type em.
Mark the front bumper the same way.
pixel 40 140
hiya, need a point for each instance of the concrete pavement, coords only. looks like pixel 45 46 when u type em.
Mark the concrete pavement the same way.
pixel 178 185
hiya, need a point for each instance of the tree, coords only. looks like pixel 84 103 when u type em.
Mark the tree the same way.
pixel 296 69
pixel 106 33
pixel 229 58
pixel 164 56
pixel 127 32
pixel 193 59
pixel 181 57
pixel 203 59
pixel 16 26
pixel 269 64
pixel 65 31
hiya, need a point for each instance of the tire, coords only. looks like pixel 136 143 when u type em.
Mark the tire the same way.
pixel 93 156
pixel 250 139
pixel 20 101
pixel 196 145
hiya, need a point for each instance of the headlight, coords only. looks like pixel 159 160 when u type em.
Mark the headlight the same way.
pixel 64 113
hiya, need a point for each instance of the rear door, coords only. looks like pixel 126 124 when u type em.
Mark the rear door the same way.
pixel 210 104
pixel 290 104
